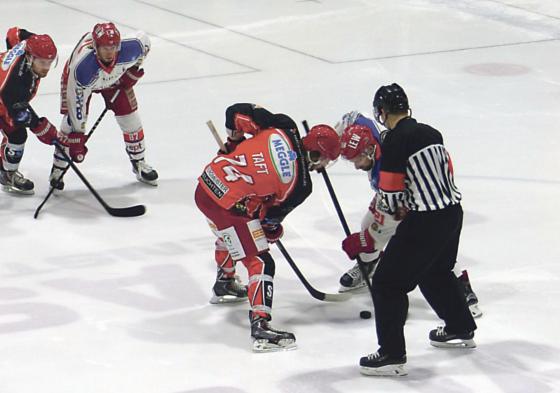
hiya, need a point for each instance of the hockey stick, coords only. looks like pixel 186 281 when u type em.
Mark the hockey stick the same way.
pixel 131 211
pixel 341 217
pixel 59 179
pixel 328 297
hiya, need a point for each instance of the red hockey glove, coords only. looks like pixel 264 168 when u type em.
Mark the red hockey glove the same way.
pixel 45 131
pixel 76 143
pixel 358 242
pixel 273 230
pixel 130 77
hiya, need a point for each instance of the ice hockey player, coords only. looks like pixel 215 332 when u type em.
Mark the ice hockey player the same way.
pixel 246 192
pixel 361 145
pixel 103 63
pixel 28 59
pixel 416 185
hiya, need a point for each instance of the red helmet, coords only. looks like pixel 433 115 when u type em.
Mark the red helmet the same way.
pixel 41 46
pixel 324 139
pixel 354 141
pixel 106 34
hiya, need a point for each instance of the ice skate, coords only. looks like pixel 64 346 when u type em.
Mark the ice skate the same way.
pixel 14 182
pixel 442 339
pixel 144 172
pixel 56 174
pixel 470 296
pixel 353 280
pixel 228 290
pixel 377 364
pixel 267 339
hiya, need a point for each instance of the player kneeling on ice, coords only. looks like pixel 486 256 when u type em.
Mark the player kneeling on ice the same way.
pixel 246 192
pixel 361 145
pixel 103 63
pixel 28 60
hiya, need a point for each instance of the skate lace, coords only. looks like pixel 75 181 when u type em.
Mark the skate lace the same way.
pixel 374 356
pixel 143 167
pixel 18 179
pixel 355 272
pixel 440 332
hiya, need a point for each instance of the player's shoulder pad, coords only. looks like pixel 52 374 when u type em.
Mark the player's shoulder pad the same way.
pixel 131 50
pixel 87 70
pixel 366 121
pixel 11 57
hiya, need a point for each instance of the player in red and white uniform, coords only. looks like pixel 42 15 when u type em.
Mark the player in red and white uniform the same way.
pixel 28 60
pixel 361 145
pixel 246 193
pixel 103 63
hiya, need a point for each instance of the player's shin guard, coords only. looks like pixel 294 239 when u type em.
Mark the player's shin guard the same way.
pixel 265 338
pixel 227 288
pixel 133 135
pixel 11 180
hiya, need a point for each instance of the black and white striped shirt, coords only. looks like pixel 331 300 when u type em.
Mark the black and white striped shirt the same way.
pixel 416 169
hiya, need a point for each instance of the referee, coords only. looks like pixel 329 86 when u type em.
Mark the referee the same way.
pixel 416 184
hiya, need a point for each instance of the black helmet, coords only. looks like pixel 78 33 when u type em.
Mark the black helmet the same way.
pixel 391 99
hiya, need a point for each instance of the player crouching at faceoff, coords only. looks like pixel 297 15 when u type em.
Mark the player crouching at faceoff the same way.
pixel 246 193
pixel 103 63
pixel 361 145
pixel 27 61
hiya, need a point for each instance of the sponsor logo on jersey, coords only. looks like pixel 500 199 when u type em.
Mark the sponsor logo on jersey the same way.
pixel 213 183
pixel 79 104
pixel 282 157
pixel 13 54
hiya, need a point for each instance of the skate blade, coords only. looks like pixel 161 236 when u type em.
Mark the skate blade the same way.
pixel 392 370
pixel 457 343
pixel 17 191
pixel 149 182
pixel 475 311
pixel 263 346
pixel 227 299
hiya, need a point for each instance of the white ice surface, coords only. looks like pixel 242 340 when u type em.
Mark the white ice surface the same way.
pixel 95 304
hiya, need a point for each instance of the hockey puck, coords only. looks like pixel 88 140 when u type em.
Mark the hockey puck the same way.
pixel 365 314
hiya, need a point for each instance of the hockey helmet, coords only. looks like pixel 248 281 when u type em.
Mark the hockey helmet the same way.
pixel 106 34
pixel 391 99
pixel 324 139
pixel 355 140
pixel 41 46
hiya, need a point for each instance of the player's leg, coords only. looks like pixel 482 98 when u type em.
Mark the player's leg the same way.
pixel 125 108
pixel 11 152
pixel 227 288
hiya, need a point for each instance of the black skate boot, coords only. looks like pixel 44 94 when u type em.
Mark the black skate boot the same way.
pixel 56 174
pixel 442 339
pixel 267 339
pixel 470 296
pixel 14 182
pixel 228 290
pixel 144 172
pixel 378 364
pixel 353 279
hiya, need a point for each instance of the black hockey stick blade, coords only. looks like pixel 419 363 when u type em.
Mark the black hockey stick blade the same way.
pixel 130 211
pixel 326 297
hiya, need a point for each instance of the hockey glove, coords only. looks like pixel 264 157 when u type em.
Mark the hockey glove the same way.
pixel 357 243
pixel 231 144
pixel 76 143
pixel 26 118
pixel 131 77
pixel 45 131
pixel 273 230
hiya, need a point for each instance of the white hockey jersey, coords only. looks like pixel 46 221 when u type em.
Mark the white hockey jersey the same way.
pixel 84 74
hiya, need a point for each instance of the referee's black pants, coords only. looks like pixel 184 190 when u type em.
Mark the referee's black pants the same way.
pixel 422 252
